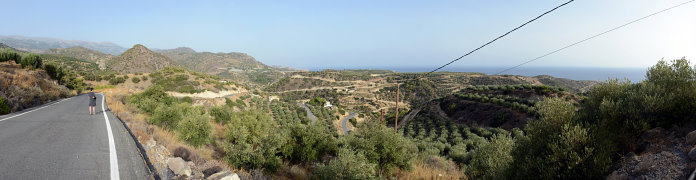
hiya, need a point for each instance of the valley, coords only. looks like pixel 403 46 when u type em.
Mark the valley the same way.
pixel 227 113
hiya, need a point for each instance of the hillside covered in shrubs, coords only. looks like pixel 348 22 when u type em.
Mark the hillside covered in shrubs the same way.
pixel 569 139
pixel 24 84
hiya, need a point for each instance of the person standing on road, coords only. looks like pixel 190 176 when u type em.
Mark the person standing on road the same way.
pixel 92 101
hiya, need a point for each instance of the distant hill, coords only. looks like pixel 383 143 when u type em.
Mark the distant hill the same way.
pixel 40 45
pixel 233 65
pixel 286 69
pixel 213 63
pixel 5 46
pixel 139 59
pixel 82 53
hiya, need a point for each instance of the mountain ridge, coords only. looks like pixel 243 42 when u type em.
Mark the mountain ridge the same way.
pixel 139 59
pixel 42 44
pixel 232 65
pixel 80 52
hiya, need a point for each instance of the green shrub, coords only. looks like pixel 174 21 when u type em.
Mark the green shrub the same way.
pixel 317 101
pixel 103 87
pixel 168 117
pixel 353 121
pixel 349 165
pixel 144 78
pixel 74 83
pixel 241 103
pixel 253 141
pixel 222 114
pixel 89 77
pixel 678 78
pixel 556 148
pixel 31 61
pixel 181 77
pixel 460 154
pixel 153 97
pixel 194 128
pixel 9 55
pixel 135 79
pixel 187 89
pixel 310 142
pixel 383 147
pixel 54 71
pixel 491 160
pixel 186 99
pixel 117 80
pixel 4 108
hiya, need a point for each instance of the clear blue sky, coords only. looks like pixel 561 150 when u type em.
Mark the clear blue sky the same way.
pixel 316 34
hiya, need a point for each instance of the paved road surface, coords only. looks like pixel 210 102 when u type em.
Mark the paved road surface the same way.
pixel 309 112
pixel 61 140
pixel 344 125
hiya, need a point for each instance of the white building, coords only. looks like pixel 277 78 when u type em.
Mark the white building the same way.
pixel 328 104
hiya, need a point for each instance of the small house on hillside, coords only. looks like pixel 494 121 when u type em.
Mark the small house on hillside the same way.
pixel 328 105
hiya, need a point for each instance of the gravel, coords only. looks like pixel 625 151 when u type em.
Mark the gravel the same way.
pixel 664 158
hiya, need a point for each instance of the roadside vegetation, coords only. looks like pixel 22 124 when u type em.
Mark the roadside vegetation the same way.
pixel 185 81
pixel 564 142
pixel 24 83
pixel 252 138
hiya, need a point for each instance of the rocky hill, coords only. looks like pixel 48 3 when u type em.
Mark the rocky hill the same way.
pixel 5 46
pixel 39 45
pixel 139 59
pixel 213 63
pixel 233 65
pixel 82 53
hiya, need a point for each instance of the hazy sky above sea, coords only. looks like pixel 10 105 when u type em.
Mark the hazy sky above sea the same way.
pixel 316 34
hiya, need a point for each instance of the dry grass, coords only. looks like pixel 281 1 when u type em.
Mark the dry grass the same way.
pixel 292 172
pixel 144 131
pixel 422 170
pixel 218 131
pixel 24 88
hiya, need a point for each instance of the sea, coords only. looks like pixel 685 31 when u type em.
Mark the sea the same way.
pixel 634 75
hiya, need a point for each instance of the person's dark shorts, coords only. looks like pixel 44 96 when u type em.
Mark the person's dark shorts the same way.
pixel 92 102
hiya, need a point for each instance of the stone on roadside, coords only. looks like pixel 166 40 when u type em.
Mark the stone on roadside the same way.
pixel 231 177
pixel 179 166
pixel 691 138
pixel 692 154
pixel 219 175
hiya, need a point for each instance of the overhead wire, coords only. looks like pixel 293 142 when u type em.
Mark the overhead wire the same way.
pixel 501 36
pixel 552 52
pixel 594 36
pixel 488 43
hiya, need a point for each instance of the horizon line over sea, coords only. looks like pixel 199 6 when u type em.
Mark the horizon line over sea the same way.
pixel 634 74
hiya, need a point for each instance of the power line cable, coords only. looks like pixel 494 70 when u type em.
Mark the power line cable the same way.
pixel 501 36
pixel 592 37
pixel 490 42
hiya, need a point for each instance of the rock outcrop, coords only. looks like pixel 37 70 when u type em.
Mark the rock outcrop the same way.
pixel 665 155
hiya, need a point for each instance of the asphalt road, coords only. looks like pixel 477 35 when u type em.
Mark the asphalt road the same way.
pixel 344 124
pixel 309 113
pixel 60 140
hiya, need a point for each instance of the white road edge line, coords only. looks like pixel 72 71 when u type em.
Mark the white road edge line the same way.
pixel 33 110
pixel 112 147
